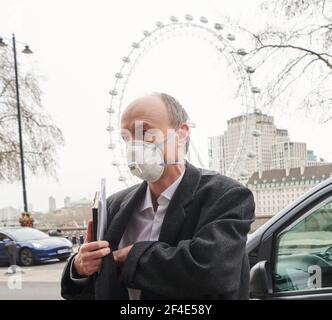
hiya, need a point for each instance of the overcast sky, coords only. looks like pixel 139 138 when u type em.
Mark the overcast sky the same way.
pixel 78 46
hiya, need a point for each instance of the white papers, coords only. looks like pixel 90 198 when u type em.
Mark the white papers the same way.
pixel 102 211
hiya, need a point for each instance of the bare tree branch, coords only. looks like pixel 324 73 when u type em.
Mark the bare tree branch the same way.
pixel 40 136
pixel 289 46
pixel 293 54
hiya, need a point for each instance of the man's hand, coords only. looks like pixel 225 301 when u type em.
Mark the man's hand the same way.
pixel 89 257
pixel 120 255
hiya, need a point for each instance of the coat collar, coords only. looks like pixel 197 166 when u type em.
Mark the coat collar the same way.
pixel 174 216
pixel 165 196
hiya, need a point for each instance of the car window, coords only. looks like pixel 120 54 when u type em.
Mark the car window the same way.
pixel 3 237
pixel 304 252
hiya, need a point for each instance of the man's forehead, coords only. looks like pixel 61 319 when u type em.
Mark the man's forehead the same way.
pixel 147 109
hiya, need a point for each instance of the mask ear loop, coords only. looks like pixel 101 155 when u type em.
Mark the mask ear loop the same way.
pixel 177 161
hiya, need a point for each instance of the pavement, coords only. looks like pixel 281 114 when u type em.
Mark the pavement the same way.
pixel 40 282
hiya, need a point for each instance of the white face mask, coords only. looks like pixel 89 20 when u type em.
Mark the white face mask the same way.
pixel 145 160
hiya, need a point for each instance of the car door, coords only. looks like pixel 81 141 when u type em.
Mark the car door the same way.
pixel 299 260
pixel 3 250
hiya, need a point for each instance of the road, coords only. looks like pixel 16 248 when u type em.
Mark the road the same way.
pixel 41 282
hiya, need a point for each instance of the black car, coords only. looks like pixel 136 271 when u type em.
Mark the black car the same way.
pixel 291 254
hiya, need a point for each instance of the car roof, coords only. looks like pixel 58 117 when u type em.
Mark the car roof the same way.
pixel 11 228
pixel 7 230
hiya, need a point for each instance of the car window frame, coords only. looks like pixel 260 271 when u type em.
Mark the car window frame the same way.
pixel 6 235
pixel 321 201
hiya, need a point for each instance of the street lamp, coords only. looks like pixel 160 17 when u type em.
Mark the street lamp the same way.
pixel 26 50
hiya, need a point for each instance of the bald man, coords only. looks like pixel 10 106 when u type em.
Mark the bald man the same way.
pixel 180 234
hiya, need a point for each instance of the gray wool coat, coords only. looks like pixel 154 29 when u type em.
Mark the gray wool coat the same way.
pixel 200 253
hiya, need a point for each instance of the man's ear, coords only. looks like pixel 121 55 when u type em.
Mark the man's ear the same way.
pixel 183 133
pixel 184 137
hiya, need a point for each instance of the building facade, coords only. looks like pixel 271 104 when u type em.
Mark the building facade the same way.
pixel 216 153
pixel 245 146
pixel 51 204
pixel 263 147
pixel 274 189
pixel 289 155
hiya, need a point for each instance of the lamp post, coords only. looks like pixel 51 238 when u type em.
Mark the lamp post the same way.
pixel 26 50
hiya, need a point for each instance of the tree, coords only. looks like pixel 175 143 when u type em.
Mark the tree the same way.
pixel 293 55
pixel 40 135
pixel 26 220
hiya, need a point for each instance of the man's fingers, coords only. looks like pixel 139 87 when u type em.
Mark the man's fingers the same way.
pixel 94 245
pixel 97 254
pixel 119 255
pixel 89 235
pixel 116 254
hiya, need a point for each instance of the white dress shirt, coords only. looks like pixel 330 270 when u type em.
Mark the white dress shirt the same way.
pixel 144 225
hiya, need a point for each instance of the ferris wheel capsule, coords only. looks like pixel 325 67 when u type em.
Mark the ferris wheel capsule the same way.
pixel 111 146
pixel 122 178
pixel 218 26
pixel 110 128
pixel 113 92
pixel 244 173
pixel 231 37
pixel 203 19
pixel 174 19
pixel 146 33
pixel 111 110
pixel 256 133
pixel 135 45
pixel 115 163
pixel 118 75
pixel 251 155
pixel 126 59
pixel 255 90
pixel 250 69
pixel 241 52
pixel 159 24
pixel 189 17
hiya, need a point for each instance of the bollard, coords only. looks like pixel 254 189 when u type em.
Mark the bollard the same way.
pixel 74 240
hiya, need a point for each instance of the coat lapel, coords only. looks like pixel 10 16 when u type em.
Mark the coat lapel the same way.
pixel 176 213
pixel 174 216
pixel 121 218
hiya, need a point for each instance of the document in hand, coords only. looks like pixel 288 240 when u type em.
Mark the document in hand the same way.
pixel 99 212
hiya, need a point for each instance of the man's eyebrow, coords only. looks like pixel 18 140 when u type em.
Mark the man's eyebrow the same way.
pixel 142 125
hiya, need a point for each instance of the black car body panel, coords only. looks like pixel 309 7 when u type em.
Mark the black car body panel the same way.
pixel 261 243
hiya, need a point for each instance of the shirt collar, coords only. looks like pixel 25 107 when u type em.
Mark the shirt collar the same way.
pixel 166 194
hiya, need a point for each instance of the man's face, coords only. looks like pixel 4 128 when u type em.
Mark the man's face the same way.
pixel 147 119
